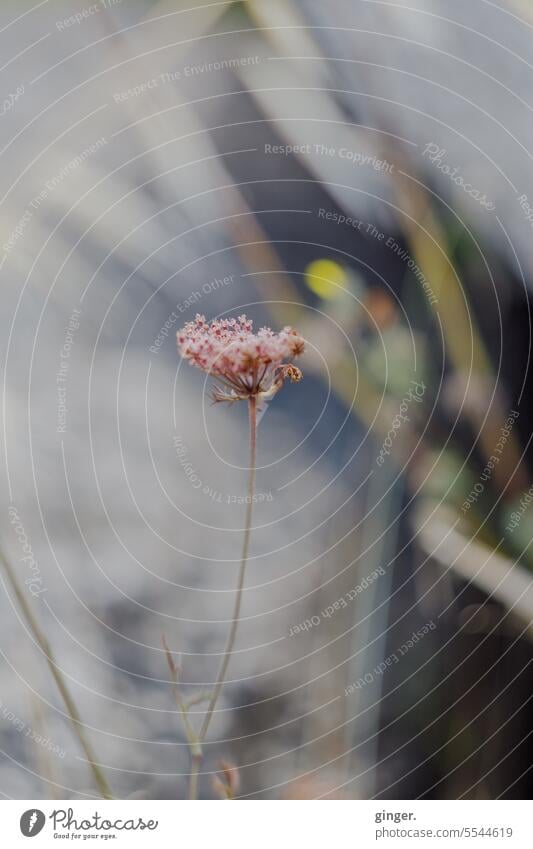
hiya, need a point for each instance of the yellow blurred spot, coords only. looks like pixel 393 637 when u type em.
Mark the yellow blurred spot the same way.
pixel 326 278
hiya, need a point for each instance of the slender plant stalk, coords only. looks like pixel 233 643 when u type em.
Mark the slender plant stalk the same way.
pixel 252 411
pixel 196 761
pixel 230 643
pixel 70 705
pixel 193 741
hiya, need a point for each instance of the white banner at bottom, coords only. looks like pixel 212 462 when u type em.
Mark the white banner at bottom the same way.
pixel 259 824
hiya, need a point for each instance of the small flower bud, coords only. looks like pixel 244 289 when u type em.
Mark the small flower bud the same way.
pixel 227 786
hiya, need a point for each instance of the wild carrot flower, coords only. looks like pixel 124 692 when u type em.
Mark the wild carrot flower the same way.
pixel 244 364
pixel 250 367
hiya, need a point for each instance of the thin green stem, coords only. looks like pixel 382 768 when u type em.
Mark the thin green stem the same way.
pixel 70 705
pixel 230 643
pixel 196 761
pixel 193 741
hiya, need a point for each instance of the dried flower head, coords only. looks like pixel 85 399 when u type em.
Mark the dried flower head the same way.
pixel 244 364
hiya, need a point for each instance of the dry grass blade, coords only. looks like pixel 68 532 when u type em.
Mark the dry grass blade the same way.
pixel 44 645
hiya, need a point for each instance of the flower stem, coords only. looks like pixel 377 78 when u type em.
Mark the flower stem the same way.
pixel 70 705
pixel 230 643
pixel 196 761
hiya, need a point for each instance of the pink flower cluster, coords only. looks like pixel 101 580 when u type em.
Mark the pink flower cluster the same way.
pixel 246 363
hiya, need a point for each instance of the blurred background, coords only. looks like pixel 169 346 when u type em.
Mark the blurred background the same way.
pixel 362 171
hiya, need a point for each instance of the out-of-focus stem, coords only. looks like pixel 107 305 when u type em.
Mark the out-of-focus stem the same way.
pixel 193 741
pixel 70 705
pixel 230 643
